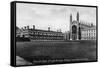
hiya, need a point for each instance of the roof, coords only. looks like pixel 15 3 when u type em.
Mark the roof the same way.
pixel 17 28
pixel 93 28
pixel 44 30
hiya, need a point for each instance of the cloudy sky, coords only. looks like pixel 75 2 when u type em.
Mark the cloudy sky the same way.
pixel 54 16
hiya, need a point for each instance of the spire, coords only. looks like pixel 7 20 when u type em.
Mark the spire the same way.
pixel 78 16
pixel 70 18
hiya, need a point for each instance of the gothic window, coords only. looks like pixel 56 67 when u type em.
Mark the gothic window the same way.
pixel 74 29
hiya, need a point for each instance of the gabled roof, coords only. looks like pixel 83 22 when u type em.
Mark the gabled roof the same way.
pixel 18 29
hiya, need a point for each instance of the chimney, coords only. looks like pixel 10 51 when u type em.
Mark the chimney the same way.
pixel 59 30
pixel 22 28
pixel 91 24
pixel 27 27
pixel 34 27
pixel 48 28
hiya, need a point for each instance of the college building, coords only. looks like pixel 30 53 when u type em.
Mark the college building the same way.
pixel 37 34
pixel 80 30
pixel 89 34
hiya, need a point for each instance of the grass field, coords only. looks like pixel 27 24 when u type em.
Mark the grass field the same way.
pixel 38 50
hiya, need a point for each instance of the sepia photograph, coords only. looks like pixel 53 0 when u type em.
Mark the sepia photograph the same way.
pixel 55 34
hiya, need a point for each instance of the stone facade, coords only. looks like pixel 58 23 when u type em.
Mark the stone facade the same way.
pixel 81 30
pixel 37 34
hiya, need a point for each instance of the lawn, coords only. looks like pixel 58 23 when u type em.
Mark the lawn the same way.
pixel 40 50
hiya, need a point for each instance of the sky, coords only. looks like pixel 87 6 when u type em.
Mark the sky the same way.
pixel 54 16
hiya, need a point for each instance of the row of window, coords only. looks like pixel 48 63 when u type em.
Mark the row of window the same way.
pixel 89 31
pixel 89 34
pixel 46 37
pixel 40 33
pixel 89 37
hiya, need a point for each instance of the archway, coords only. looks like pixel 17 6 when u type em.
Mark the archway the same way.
pixel 74 32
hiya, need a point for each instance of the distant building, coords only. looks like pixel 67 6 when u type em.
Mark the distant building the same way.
pixel 37 34
pixel 89 34
pixel 81 30
pixel 67 35
pixel 18 32
pixel 78 31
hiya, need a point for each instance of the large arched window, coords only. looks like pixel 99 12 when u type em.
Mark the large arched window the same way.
pixel 74 29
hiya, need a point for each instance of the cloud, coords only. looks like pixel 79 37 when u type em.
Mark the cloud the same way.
pixel 57 17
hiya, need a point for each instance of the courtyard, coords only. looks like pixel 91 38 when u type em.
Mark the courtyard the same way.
pixel 45 50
